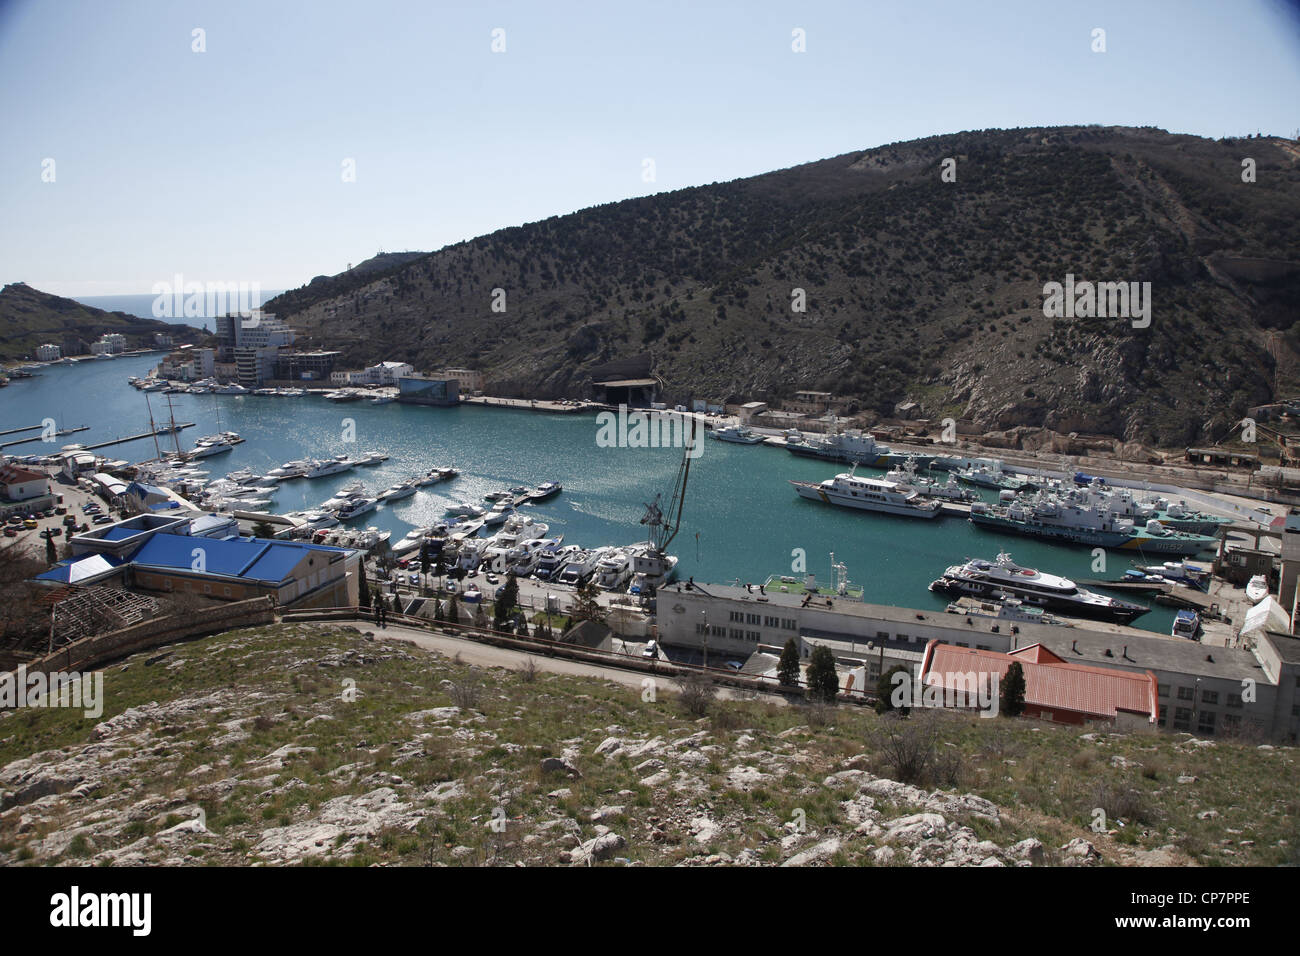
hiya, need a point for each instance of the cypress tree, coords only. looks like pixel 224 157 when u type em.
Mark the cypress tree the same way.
pixel 823 681
pixel 1013 691
pixel 787 670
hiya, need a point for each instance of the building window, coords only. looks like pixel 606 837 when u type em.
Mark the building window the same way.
pixel 882 635
pixel 1162 690
pixel 753 636
pixel 1164 710
pixel 1205 722
pixel 736 616
pixel 1182 718
pixel 1231 721
pixel 1186 693
pixel 1209 697
pixel 227 592
pixel 789 624
pixel 752 618
pixel 1234 700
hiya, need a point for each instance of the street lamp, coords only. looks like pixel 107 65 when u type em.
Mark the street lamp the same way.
pixel 705 615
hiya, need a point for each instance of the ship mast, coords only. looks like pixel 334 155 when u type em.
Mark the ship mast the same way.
pixel 153 429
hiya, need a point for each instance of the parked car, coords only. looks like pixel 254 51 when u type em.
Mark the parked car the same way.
pixel 651 650
pixel 734 665
pixel 103 519
pixel 29 522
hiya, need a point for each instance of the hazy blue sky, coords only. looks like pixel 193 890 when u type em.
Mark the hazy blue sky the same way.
pixel 226 165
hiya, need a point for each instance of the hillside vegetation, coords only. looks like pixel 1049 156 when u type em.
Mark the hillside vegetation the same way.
pixel 29 317
pixel 315 744
pixel 916 289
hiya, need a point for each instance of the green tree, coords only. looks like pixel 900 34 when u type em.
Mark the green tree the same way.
pixel 437 610
pixel 586 604
pixel 787 669
pixel 263 529
pixel 1013 690
pixel 885 689
pixel 453 612
pixel 823 681
pixel 364 599
pixel 505 604
pixel 397 604
pixel 440 567
pixel 51 553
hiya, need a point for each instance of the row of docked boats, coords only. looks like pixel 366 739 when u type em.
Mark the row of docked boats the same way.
pixel 1092 515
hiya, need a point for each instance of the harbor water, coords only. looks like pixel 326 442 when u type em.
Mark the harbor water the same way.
pixel 742 520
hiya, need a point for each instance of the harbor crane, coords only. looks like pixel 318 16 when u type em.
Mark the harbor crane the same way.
pixel 663 524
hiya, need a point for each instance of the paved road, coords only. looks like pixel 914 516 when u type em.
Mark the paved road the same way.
pixel 487 655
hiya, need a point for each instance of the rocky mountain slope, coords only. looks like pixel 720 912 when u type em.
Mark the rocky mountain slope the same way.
pixel 29 317
pixel 916 288
pixel 314 743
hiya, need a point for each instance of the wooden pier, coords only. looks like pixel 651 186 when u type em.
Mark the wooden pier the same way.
pixel 24 441
pixel 525 404
pixel 162 432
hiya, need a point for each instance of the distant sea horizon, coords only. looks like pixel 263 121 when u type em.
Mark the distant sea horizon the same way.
pixel 142 305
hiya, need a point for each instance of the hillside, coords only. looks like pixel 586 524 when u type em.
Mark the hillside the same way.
pixel 29 317
pixel 313 743
pixel 917 289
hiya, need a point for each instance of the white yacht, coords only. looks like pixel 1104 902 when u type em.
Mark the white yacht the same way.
pixel 737 435
pixel 316 520
pixel 471 553
pixel 554 559
pixel 403 489
pixel 614 570
pixel 349 492
pixel 580 567
pixel 465 510
pixel 329 466
pixel 371 458
pixel 1001 579
pixel 413 540
pixel 356 508
pixel 291 469
pixel 206 448
pixel 499 513
pixel 525 556
pixel 231 389
pixel 848 490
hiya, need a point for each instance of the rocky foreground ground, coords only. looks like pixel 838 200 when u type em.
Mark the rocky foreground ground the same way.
pixel 314 744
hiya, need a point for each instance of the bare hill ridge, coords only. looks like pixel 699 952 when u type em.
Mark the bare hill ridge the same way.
pixel 916 288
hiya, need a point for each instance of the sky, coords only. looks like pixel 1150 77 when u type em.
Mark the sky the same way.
pixel 223 155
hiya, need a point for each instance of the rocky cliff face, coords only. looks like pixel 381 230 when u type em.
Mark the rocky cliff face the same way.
pixel 872 276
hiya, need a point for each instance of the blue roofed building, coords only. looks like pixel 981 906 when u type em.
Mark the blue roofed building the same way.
pixel 206 556
pixel 294 573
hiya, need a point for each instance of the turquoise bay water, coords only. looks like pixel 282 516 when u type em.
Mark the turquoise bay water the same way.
pixel 742 520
